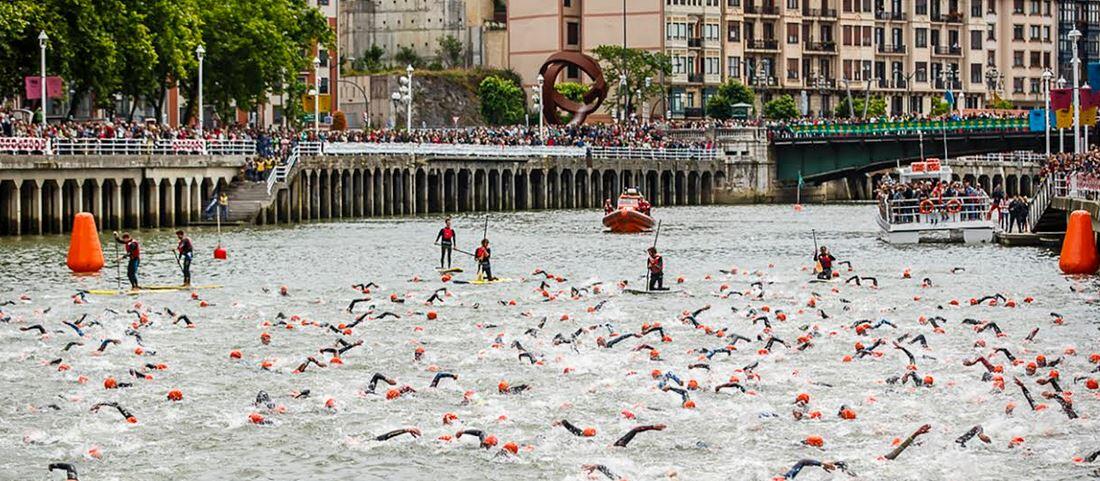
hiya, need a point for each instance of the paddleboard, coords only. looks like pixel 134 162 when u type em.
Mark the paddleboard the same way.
pixel 450 270
pixel 498 280
pixel 631 290
pixel 112 292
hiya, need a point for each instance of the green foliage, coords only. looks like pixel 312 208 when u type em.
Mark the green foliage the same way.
pixel 371 61
pixel 720 105
pixel 572 90
pixel 1001 104
pixel 138 48
pixel 449 51
pixel 877 107
pixel 940 107
pixel 502 101
pixel 408 56
pixel 639 65
pixel 781 108
pixel 737 93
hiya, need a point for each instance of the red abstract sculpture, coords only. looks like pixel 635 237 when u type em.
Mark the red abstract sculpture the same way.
pixel 553 101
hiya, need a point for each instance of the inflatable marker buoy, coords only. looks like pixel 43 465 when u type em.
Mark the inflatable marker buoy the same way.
pixel 85 250
pixel 1079 247
pixel 220 253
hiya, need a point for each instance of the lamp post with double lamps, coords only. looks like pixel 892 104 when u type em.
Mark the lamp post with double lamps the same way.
pixel 200 53
pixel 42 39
pixel 1047 76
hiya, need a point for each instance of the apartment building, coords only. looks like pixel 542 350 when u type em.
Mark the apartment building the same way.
pixel 819 51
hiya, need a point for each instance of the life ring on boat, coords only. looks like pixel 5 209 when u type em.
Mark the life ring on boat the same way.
pixel 954 206
pixel 926 206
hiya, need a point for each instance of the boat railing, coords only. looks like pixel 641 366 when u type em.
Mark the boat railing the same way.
pixel 942 214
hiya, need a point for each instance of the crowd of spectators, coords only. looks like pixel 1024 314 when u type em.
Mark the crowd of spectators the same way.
pixel 1080 173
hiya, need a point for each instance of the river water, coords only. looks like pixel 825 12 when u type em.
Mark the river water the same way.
pixel 753 435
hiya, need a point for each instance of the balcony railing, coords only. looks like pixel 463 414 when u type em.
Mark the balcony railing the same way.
pixel 819 46
pixel 887 48
pixel 696 77
pixel 944 50
pixel 764 44
pixel 884 15
pixel 951 17
pixel 819 12
pixel 769 10
pixel 695 42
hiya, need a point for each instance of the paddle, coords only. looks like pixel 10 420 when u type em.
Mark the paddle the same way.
pixel 460 251
pixel 178 263
pixel 656 236
pixel 817 263
pixel 118 268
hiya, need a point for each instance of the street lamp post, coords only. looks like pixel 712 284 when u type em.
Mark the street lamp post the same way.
pixel 1061 131
pixel 200 53
pixel 537 97
pixel 1074 36
pixel 42 39
pixel 317 95
pixel 647 111
pixel 1047 76
pixel 408 98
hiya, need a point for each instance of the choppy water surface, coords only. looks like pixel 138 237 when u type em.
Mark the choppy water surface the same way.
pixel 728 435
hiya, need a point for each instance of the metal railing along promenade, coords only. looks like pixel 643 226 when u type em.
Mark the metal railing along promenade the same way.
pixel 520 151
pixel 96 146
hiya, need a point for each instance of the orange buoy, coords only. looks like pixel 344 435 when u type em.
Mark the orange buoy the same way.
pixel 85 250
pixel 1079 247
pixel 220 253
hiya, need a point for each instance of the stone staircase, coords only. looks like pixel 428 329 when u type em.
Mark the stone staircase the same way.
pixel 246 200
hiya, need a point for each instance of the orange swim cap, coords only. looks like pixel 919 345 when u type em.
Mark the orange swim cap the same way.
pixel 588 432
pixel 256 418
pixel 929 380
pixel 502 386
pixel 234 354
pixel 175 395
pixel 110 383
pixel 1092 384
pixel 448 418
pixel 510 447
pixel 131 420
pixel 392 394
pixel 689 404
pixel 847 414
pixel 490 440
pixel 693 384
pixel 432 315
pixel 815 441
pixel 802 398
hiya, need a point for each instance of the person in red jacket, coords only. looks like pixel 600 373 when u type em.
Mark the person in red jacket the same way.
pixel 483 255
pixel 133 253
pixel 825 259
pixel 446 240
pixel 656 266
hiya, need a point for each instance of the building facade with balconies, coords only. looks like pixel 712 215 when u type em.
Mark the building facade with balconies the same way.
pixel 822 51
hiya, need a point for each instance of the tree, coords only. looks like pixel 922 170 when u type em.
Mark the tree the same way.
pixel 502 101
pixel 736 92
pixel 371 61
pixel 876 108
pixel 940 107
pixel 639 65
pixel 408 56
pixel 571 90
pixel 1001 104
pixel 450 51
pixel 339 121
pixel 720 105
pixel 782 107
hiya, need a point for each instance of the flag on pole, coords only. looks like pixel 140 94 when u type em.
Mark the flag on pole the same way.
pixel 1061 99
pixel 949 98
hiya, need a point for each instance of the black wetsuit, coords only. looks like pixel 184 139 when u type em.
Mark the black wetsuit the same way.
pixel 187 252
pixel 484 255
pixel 133 251
pixel 445 238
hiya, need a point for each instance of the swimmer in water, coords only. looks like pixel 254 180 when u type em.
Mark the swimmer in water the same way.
pixel 827 466
pixel 629 436
pixel 414 432
pixel 70 470
pixel 908 441
pixel 121 410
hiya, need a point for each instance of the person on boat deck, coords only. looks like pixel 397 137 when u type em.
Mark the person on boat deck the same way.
pixel 483 255
pixel 186 252
pixel 826 260
pixel 644 206
pixel 133 252
pixel 656 267
pixel 607 207
pixel 446 240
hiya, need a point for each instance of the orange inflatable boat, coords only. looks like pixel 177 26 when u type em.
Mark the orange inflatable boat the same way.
pixel 630 215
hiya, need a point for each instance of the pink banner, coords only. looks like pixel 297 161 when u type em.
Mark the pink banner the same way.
pixel 1061 99
pixel 54 87
pixel 197 146
pixel 22 144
